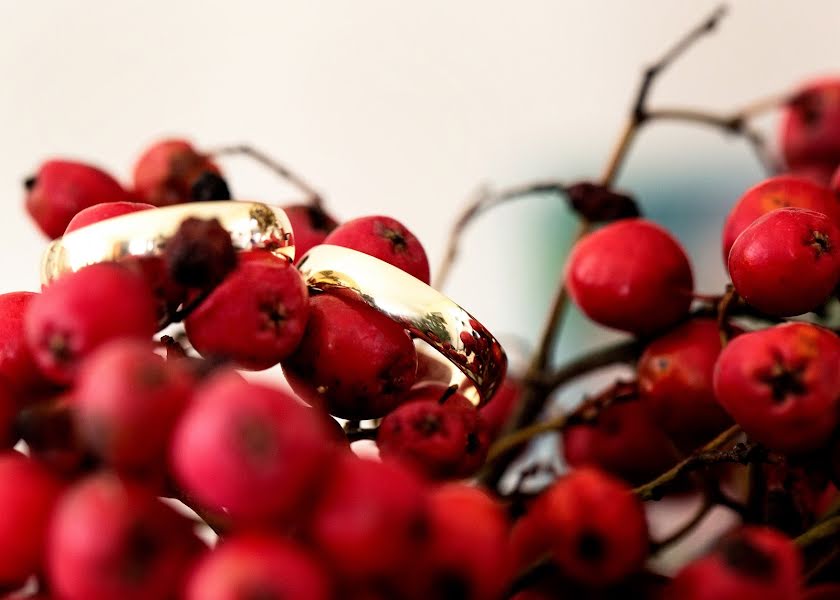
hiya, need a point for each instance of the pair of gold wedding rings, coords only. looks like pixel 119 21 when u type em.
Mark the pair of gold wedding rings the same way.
pixel 473 359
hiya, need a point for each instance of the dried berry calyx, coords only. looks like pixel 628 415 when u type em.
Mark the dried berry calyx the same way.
pixel 200 254
pixel 599 203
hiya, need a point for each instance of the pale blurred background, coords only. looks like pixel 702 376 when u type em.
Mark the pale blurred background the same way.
pixel 403 109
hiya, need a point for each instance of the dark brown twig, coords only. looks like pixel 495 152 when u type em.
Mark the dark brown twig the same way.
pixel 312 196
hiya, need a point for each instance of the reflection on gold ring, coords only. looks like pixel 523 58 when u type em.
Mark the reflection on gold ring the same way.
pixel 477 356
pixel 252 225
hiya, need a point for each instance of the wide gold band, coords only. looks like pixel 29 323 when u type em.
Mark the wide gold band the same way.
pixel 252 225
pixel 477 356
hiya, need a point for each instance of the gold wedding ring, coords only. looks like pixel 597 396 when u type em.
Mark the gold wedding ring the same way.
pixel 475 361
pixel 252 226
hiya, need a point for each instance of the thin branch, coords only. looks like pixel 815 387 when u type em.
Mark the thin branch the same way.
pixel 313 197
pixel 685 529
pixel 705 456
pixel 827 529
pixel 482 200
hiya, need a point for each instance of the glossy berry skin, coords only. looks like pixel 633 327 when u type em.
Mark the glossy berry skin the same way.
pixel 140 549
pixel 439 439
pixel 353 360
pixel 127 400
pixel 83 310
pixel 370 521
pixel 783 191
pixel 630 275
pixel 101 212
pixel 622 440
pixel 787 262
pixel 675 383
pixel 590 524
pixel 467 553
pixel 62 188
pixel 780 385
pixel 249 449
pixel 17 364
pixel 386 239
pixel 28 493
pixel 311 225
pixel 165 173
pixel 810 126
pixel 753 563
pixel 256 317
pixel 257 566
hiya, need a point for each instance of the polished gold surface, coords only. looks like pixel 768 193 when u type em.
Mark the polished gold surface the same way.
pixel 252 225
pixel 474 361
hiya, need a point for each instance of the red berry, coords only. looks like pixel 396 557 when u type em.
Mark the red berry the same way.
pixel 810 127
pixel 256 317
pixel 386 239
pixel 780 385
pixel 83 310
pixel 28 493
pixel 17 365
pixel 167 170
pixel 48 428
pixel 498 411
pixel 622 440
pixel 249 449
pixel 310 224
pixel 675 383
pixel 370 521
pixel 61 188
pixel 835 182
pixel 257 566
pixel 439 439
pixel 630 275
pixel 353 360
pixel 113 539
pixel 127 401
pixel 467 554
pixel 590 524
pixel 817 173
pixel 754 563
pixel 787 262
pixel 784 191
pixel 102 212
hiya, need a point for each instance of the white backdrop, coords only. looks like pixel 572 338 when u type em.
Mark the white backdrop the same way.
pixel 388 107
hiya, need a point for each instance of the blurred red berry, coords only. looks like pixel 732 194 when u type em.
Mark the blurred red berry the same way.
pixel 102 212
pixel 49 429
pixel 783 191
pixel 28 493
pixel 386 239
pixel 62 188
pixel 787 262
pixel 590 524
pixel 828 591
pixel 810 127
pixel 256 317
pixel 166 172
pixel 353 360
pixel 753 563
pixel 310 224
pixel 467 554
pixel 17 364
pixel 780 385
pixel 250 450
pixel 370 521
pixel 630 275
pixel 127 401
pixel 110 538
pixel 498 411
pixel 257 566
pixel 623 440
pixel 675 383
pixel 83 310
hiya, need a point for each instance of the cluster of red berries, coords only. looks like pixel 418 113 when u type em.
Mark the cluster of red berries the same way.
pixel 117 433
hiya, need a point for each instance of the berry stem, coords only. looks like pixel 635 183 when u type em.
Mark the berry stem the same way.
pixel 707 455
pixel 826 529
pixel 312 196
